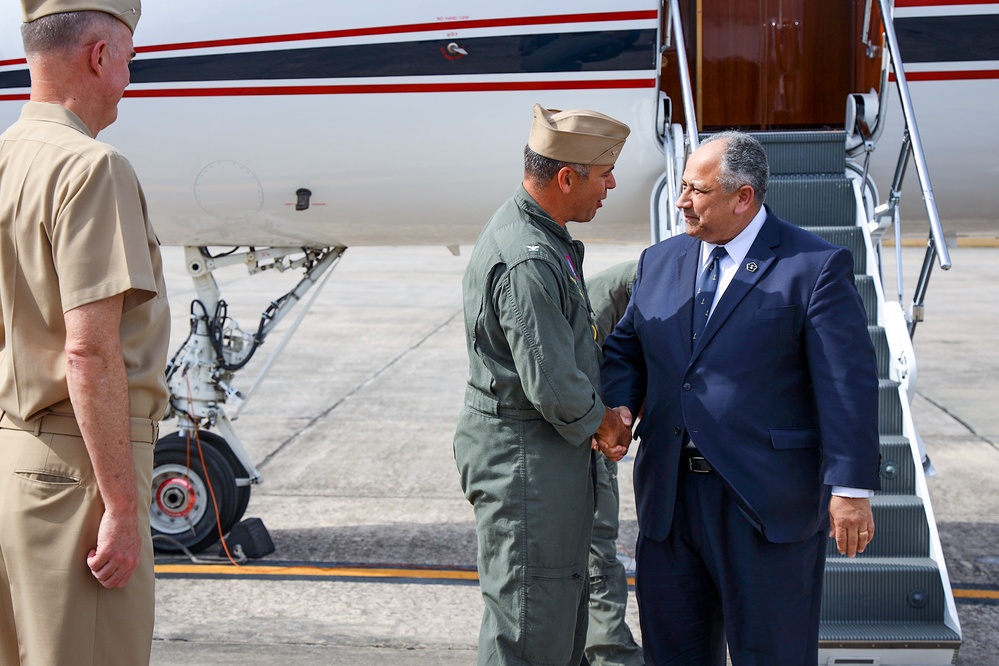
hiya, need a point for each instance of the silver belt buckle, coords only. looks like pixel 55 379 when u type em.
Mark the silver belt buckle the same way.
pixel 698 464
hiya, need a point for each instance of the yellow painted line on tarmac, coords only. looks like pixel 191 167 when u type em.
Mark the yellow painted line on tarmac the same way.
pixel 305 571
pixel 976 594
pixel 313 572
pixel 428 574
pixel 977 242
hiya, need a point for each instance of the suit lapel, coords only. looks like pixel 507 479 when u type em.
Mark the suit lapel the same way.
pixel 753 267
pixel 686 275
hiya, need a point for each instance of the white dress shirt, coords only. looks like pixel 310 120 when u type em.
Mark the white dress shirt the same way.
pixel 737 249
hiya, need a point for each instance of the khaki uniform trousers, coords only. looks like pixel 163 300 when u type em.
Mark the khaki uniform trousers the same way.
pixel 53 612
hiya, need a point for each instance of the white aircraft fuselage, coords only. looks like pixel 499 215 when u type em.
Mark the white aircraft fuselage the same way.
pixel 405 122
pixel 233 108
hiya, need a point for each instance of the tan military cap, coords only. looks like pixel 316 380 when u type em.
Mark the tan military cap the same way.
pixel 577 136
pixel 127 11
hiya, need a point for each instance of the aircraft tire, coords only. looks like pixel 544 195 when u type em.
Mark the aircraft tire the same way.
pixel 242 492
pixel 182 507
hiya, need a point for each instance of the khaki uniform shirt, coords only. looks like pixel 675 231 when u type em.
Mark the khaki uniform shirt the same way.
pixel 73 230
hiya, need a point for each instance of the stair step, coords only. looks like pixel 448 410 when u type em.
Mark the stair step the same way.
pixel 879 338
pixel 791 153
pixel 804 152
pixel 898 471
pixel 852 238
pixel 901 529
pixel 889 590
pixel 814 200
pixel 889 408
pixel 882 635
pixel 868 294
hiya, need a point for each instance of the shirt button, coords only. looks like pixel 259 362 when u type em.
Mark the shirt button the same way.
pixel 686 386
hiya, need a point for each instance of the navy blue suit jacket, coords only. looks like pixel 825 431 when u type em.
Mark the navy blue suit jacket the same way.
pixel 780 393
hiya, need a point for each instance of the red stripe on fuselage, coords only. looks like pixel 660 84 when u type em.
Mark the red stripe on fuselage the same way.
pixel 940 3
pixel 957 75
pixel 483 86
pixel 467 24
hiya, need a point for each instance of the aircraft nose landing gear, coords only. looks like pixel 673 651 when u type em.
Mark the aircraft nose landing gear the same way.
pixel 201 481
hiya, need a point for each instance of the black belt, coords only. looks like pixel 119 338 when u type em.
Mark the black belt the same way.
pixel 695 462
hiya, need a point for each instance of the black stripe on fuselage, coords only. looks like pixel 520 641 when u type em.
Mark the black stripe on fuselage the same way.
pixel 922 40
pixel 558 52
pixel 948 38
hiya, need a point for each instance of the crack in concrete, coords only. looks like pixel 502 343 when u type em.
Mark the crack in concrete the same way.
pixel 347 396
pixel 957 418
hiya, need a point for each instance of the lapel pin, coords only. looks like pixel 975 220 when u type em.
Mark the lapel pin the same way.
pixel 752 266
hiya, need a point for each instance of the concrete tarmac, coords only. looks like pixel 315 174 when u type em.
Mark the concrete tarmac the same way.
pixel 352 434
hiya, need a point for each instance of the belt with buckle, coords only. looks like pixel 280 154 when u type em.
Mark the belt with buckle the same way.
pixel 141 430
pixel 695 463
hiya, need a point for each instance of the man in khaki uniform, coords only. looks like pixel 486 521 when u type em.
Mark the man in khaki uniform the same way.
pixel 85 327
pixel 532 404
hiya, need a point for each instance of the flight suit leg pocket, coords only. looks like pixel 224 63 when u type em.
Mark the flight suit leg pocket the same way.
pixel 551 607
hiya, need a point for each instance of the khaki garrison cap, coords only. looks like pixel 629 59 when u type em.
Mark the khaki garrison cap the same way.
pixel 577 136
pixel 126 11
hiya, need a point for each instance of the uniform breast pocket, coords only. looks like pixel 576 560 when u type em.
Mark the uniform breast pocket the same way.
pixel 779 321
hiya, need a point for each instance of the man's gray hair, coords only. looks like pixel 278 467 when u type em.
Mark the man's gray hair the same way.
pixel 744 162
pixel 542 169
pixel 57 32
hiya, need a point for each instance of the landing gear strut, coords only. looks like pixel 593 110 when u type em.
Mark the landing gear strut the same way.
pixel 200 493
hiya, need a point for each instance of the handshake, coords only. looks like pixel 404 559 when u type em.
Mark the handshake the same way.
pixel 613 437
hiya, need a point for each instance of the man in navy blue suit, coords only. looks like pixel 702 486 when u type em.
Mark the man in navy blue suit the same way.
pixel 759 431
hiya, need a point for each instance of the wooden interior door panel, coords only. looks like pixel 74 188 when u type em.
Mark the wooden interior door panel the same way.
pixel 773 64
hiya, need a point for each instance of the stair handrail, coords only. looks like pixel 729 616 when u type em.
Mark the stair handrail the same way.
pixel 675 155
pixel 686 91
pixel 936 246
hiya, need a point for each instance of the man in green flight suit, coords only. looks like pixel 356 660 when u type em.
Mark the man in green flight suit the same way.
pixel 532 404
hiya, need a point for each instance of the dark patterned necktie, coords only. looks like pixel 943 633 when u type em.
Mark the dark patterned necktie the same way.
pixel 704 294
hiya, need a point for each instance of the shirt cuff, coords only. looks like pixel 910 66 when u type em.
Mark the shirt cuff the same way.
pixel 843 491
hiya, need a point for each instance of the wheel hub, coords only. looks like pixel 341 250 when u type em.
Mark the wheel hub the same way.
pixel 176 497
pixel 180 499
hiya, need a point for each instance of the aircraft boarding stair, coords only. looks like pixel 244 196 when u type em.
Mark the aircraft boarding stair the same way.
pixel 892 604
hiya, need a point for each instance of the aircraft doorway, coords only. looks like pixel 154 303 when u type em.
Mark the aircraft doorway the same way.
pixel 774 64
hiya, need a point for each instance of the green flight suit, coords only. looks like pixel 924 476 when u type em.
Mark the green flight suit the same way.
pixel 522 444
pixel 609 641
